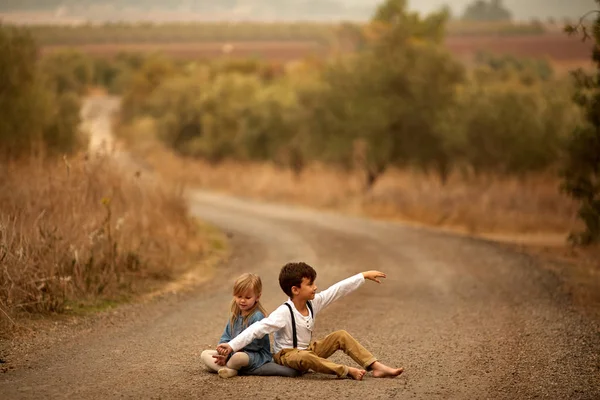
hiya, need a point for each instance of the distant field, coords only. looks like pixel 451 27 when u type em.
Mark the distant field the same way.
pixel 560 49
pixel 557 47
pixel 284 41
pixel 270 50
pixel 77 32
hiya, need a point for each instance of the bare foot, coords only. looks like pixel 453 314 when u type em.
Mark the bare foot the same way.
pixel 227 372
pixel 383 371
pixel 356 374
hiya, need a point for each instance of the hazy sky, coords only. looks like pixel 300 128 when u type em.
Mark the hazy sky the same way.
pixel 362 9
pixel 522 9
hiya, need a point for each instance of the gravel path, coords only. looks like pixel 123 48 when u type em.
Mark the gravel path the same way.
pixel 465 318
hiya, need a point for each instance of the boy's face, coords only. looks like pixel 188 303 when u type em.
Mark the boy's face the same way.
pixel 306 291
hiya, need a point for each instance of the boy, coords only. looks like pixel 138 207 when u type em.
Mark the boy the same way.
pixel 293 322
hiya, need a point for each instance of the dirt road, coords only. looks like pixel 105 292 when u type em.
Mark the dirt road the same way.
pixel 465 318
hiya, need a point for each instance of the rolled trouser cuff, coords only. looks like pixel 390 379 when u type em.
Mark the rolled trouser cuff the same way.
pixel 368 363
pixel 345 374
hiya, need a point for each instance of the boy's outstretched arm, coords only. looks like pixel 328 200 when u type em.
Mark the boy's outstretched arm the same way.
pixel 374 275
pixel 342 288
pixel 257 330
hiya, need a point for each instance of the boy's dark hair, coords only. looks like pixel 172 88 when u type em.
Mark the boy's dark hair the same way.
pixel 291 274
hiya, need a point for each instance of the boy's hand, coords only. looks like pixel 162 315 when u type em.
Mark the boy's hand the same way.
pixel 373 275
pixel 220 360
pixel 224 349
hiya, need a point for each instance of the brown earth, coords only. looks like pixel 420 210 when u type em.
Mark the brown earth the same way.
pixel 557 47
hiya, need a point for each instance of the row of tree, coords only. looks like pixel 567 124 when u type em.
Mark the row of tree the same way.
pixel 400 101
pixel 39 110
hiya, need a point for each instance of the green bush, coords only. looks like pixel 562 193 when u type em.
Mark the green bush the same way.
pixel 515 130
pixel 37 115
pixel 581 170
pixel 68 71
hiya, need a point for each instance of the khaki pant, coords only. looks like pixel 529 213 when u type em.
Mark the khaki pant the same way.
pixel 315 357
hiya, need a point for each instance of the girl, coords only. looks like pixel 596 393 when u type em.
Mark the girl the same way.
pixel 245 310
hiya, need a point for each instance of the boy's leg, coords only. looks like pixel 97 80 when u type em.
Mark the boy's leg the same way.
pixel 303 360
pixel 209 361
pixel 342 340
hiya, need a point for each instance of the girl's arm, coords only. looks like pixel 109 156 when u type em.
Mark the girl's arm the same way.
pixel 262 344
pixel 226 336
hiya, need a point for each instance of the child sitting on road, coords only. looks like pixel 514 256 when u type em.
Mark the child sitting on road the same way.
pixel 293 322
pixel 254 358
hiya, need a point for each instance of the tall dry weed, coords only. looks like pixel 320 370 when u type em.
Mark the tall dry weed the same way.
pixel 490 205
pixel 85 229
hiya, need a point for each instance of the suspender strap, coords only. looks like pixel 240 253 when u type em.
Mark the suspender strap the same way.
pixel 293 325
pixel 295 336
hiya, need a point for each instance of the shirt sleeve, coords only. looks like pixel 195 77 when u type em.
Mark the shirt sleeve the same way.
pixel 257 330
pixel 337 291
pixel 226 336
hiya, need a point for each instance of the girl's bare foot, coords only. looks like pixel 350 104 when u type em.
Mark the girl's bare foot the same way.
pixel 227 372
pixel 356 374
pixel 383 371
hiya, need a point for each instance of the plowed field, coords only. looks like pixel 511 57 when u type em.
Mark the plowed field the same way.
pixel 556 46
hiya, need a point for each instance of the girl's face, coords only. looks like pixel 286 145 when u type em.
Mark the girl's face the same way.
pixel 246 300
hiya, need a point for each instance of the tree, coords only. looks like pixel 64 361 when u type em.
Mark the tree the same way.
pixel 68 71
pixel 385 105
pixel 20 116
pixel 34 116
pixel 581 172
pixel 152 72
pixel 491 10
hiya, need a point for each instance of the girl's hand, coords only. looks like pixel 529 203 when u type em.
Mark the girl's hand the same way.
pixel 373 275
pixel 220 360
pixel 224 349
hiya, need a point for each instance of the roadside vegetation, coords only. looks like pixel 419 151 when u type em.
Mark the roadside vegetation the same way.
pixel 399 128
pixel 77 230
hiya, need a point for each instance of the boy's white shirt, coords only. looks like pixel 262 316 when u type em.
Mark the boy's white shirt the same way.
pixel 280 321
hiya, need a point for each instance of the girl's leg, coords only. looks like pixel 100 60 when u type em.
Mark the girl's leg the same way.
pixel 209 361
pixel 235 363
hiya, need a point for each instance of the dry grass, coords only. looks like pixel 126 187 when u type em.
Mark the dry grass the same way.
pixel 487 206
pixel 82 231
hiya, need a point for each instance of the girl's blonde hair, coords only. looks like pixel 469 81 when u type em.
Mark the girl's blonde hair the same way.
pixel 241 285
